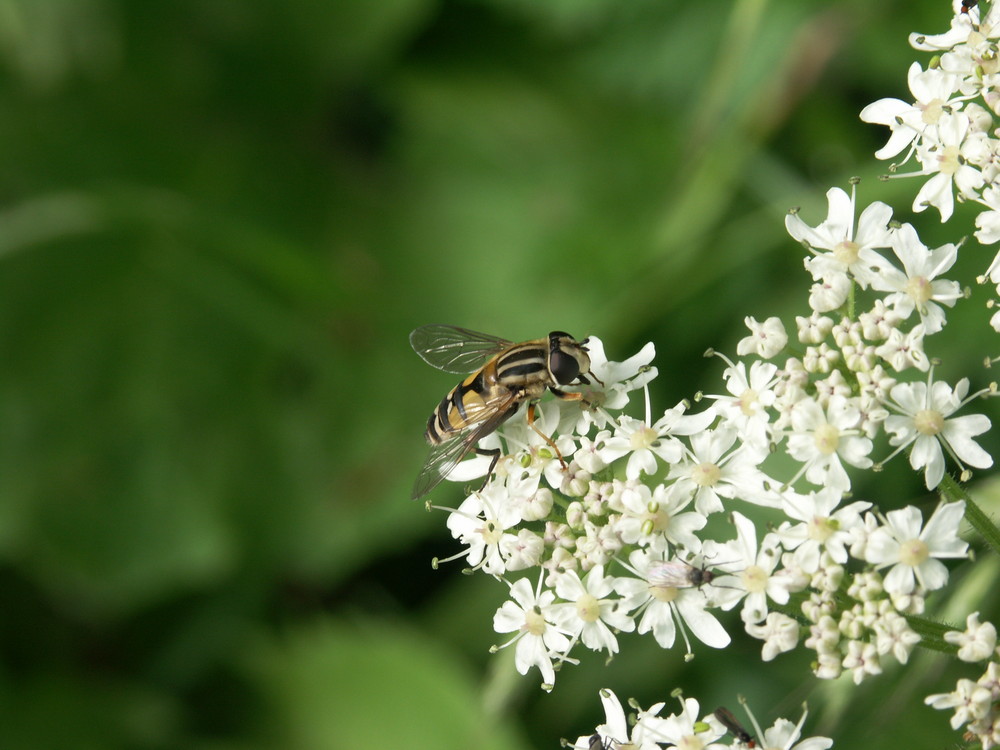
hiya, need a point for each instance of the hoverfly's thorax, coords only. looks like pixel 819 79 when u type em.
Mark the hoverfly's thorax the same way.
pixel 523 365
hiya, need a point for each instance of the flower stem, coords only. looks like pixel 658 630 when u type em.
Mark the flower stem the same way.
pixel 931 634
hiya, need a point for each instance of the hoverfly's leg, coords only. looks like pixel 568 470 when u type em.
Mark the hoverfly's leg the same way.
pixel 495 452
pixel 571 396
pixel 583 379
pixel 546 438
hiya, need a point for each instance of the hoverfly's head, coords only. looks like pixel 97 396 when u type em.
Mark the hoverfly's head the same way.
pixel 568 358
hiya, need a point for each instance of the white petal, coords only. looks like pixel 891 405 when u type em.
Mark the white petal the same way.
pixel 702 624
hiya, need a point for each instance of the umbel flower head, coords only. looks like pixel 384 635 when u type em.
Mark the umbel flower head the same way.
pixel 613 515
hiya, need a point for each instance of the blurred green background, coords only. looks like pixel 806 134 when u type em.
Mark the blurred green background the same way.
pixel 219 220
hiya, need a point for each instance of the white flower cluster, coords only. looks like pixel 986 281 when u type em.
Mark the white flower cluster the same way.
pixel 950 127
pixel 610 535
pixel 976 703
pixel 951 130
pixel 617 536
pixel 650 731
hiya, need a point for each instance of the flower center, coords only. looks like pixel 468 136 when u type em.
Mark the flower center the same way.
pixel 913 552
pixel 821 529
pixel 748 402
pixel 950 160
pixel 932 111
pixel 755 579
pixel 919 290
pixel 706 474
pixel 491 532
pixel 846 252
pixel 928 421
pixel 690 742
pixel 663 593
pixel 588 608
pixel 827 439
pixel 643 438
pixel 657 518
pixel 534 622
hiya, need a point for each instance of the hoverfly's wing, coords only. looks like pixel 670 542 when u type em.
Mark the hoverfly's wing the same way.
pixel 445 456
pixel 454 349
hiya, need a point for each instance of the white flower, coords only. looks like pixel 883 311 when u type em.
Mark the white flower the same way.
pixel 949 159
pixel 923 423
pixel 752 569
pixel 614 732
pixel 779 632
pixel 536 506
pixel 712 469
pixel 588 455
pixel 587 612
pixel 746 408
pixel 814 329
pixel 523 550
pixel 970 700
pixel 647 515
pixel 988 226
pixel 977 642
pixel 829 293
pixel 663 607
pixel 862 659
pixel 784 735
pixel 619 378
pixel 530 614
pixel 879 322
pixel 917 286
pixel 765 340
pixel 822 527
pixel 931 90
pixel 902 350
pixel 530 455
pixel 685 730
pixel 645 442
pixel 965 21
pixel 481 523
pixel 914 552
pixel 820 440
pixel 893 633
pixel 838 249
pixel 597 545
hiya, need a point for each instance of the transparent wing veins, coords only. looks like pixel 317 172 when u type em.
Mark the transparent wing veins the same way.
pixel 445 456
pixel 455 349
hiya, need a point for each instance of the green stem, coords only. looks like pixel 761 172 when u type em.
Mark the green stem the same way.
pixel 952 491
pixel 931 634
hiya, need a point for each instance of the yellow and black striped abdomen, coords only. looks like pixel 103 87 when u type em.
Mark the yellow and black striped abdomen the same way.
pixel 470 403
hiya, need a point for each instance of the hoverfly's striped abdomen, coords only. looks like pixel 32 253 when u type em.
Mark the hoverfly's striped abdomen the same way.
pixel 469 403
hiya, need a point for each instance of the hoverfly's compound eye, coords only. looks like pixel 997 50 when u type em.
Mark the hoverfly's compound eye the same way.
pixel 565 367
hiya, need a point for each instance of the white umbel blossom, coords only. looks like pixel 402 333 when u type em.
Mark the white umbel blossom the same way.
pixel 913 550
pixel 923 424
pixel 766 339
pixel 977 642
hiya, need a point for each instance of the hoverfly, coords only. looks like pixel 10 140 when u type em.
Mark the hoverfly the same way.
pixel 726 718
pixel 508 375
